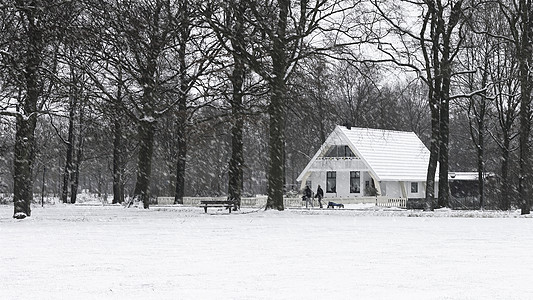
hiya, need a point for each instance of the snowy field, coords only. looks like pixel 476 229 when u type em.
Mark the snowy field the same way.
pixel 91 252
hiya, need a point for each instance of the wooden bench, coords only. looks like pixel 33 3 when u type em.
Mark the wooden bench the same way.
pixel 229 204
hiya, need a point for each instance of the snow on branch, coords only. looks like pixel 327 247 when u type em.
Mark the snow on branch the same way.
pixel 469 95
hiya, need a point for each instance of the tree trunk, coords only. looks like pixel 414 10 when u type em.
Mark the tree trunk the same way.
pixel 481 137
pixel 276 111
pixel 26 123
pixel 481 142
pixel 236 163
pixel 481 164
pixel 444 113
pixel 77 164
pixel 180 169
pixel 78 150
pixel 524 59
pixel 433 158
pixel 118 188
pixel 144 165
pixel 118 144
pixel 276 150
pixel 524 188
pixel 23 165
pixel 434 105
pixel 182 150
pixel 505 182
pixel 75 181
pixel 182 145
pixel 67 173
pixel 43 185
pixel 184 35
pixel 444 132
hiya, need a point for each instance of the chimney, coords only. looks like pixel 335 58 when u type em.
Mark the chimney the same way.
pixel 347 124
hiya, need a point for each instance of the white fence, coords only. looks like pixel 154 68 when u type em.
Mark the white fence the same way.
pixel 258 202
pixel 391 202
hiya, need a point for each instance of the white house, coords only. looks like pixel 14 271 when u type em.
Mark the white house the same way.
pixel 358 162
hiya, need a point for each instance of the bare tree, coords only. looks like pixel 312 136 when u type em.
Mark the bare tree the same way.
pixel 427 43
pixel 73 62
pixel 358 93
pixel 279 39
pixel 521 20
pixel 30 30
pixel 139 35
pixel 234 13
pixel 478 55
pixel 499 24
pixel 148 42
pixel 414 103
pixel 314 112
pixel 518 14
pixel 506 102
pixel 198 49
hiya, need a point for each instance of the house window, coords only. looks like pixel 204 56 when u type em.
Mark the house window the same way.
pixel 414 187
pixel 331 182
pixel 348 152
pixel 355 182
pixel 339 151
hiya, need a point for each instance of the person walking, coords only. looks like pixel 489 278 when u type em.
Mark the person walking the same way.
pixel 319 195
pixel 308 194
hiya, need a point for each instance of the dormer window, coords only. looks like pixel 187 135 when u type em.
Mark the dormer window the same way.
pixel 340 151
pixel 348 152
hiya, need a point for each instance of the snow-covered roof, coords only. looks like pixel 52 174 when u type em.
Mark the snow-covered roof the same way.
pixel 390 155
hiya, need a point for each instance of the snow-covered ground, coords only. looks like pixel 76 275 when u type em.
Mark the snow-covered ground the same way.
pixel 91 252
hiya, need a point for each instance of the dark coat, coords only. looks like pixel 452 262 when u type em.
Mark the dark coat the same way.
pixel 307 192
pixel 320 193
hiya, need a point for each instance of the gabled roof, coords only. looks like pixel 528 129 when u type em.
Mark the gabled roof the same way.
pixel 390 155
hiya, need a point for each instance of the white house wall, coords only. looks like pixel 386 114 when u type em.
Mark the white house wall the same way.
pixel 366 177
pixel 342 167
pixel 391 189
pixel 421 190
pixel 342 184
pixel 394 189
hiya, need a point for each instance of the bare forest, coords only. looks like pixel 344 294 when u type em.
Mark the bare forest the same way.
pixel 138 99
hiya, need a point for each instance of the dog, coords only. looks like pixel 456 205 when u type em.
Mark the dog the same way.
pixel 333 204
